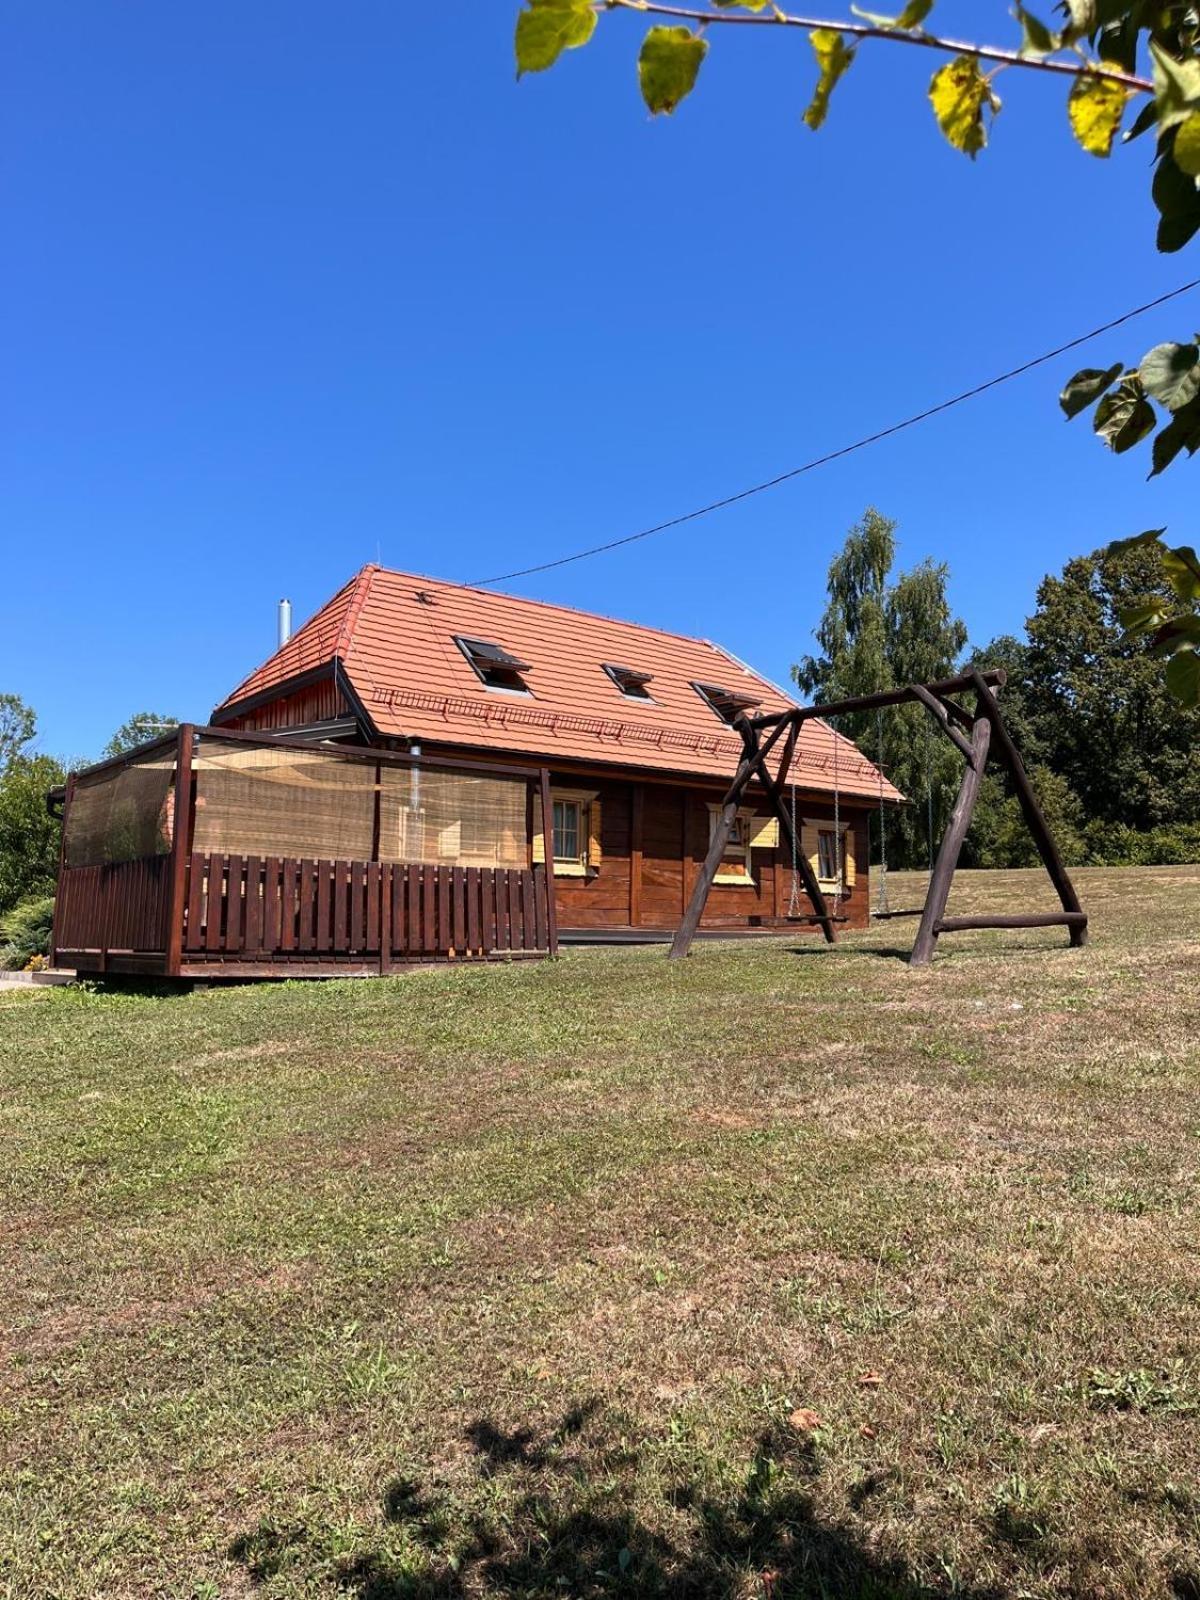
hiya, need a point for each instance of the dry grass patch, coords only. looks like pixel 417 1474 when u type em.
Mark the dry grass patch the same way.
pixel 781 1272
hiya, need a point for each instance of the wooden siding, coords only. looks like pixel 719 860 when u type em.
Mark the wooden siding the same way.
pixel 316 702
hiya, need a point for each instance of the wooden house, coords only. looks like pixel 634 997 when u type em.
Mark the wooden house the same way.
pixel 632 723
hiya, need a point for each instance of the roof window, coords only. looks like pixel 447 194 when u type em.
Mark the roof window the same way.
pixel 724 702
pixel 631 684
pixel 493 665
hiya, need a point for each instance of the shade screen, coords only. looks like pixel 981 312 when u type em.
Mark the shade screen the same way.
pixel 256 800
pixel 452 818
pixel 122 814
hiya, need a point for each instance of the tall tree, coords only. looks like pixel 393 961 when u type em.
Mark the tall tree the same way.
pixel 139 729
pixel 1105 719
pixel 18 724
pixel 877 633
pixel 29 836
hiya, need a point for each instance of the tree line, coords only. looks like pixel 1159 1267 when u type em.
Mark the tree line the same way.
pixel 1110 751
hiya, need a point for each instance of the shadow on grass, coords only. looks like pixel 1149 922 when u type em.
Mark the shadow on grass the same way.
pixel 832 952
pixel 559 1513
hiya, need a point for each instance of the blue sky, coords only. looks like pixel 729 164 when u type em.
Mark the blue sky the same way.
pixel 291 287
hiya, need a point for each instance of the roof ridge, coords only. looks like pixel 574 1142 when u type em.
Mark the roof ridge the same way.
pixel 362 587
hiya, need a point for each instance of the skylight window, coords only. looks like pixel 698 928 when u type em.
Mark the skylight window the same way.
pixel 631 684
pixel 724 702
pixel 493 666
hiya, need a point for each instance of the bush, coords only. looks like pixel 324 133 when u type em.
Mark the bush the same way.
pixel 1114 844
pixel 25 932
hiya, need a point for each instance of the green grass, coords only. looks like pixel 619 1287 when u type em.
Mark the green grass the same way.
pixel 525 1280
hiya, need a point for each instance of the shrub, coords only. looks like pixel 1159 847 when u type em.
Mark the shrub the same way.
pixel 1114 844
pixel 25 932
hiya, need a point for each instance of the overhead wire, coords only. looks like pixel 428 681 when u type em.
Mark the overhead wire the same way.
pixel 845 450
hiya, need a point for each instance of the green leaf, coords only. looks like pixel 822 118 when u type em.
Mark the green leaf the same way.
pixel 1177 633
pixel 1178 201
pixel 1096 105
pixel 1183 677
pixel 547 28
pixel 1187 146
pixel 1170 374
pixel 1176 86
pixel 959 93
pixel 1087 386
pixel 1182 567
pixel 1119 546
pixel 1036 38
pixel 911 17
pixel 1124 417
pixel 669 65
pixel 833 58
pixel 1142 616
pixel 1181 433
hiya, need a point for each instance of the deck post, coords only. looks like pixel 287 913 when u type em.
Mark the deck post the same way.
pixel 180 839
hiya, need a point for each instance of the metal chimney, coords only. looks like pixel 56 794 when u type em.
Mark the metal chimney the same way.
pixel 285 622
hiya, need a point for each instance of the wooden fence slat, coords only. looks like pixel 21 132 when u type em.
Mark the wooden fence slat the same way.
pixel 305 904
pixel 324 930
pixel 270 927
pixel 234 906
pixel 288 871
pixel 195 902
pixel 541 930
pixel 398 931
pixel 428 910
pixel 514 909
pixel 444 930
pixel 529 937
pixel 414 924
pixel 341 907
pixel 357 906
pixel 373 907
pixel 253 918
pixel 458 921
pixel 473 909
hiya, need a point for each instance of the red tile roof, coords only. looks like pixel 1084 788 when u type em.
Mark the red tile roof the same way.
pixel 394 634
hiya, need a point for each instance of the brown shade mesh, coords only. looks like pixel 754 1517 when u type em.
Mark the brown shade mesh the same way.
pixel 257 800
pixel 265 801
pixel 452 818
pixel 122 814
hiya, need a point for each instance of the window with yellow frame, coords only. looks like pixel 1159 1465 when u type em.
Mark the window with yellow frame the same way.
pixel 575 821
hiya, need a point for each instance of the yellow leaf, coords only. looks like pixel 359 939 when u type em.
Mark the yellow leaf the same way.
pixel 1187 146
pixel 959 92
pixel 833 58
pixel 1096 106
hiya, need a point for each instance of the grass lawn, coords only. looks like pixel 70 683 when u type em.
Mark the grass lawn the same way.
pixel 782 1271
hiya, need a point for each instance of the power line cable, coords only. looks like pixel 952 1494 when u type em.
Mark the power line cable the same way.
pixel 846 450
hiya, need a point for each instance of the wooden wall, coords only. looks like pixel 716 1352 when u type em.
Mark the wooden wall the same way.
pixel 316 702
pixel 654 839
pixel 650 863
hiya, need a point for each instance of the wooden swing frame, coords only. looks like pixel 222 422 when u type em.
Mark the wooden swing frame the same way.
pixel 977 735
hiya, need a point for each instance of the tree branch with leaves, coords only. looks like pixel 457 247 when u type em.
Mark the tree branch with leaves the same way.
pixel 1114 52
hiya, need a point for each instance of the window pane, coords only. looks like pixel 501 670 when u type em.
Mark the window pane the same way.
pixel 827 856
pixel 566 830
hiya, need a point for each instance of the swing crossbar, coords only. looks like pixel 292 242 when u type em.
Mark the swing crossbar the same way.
pixel 996 679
